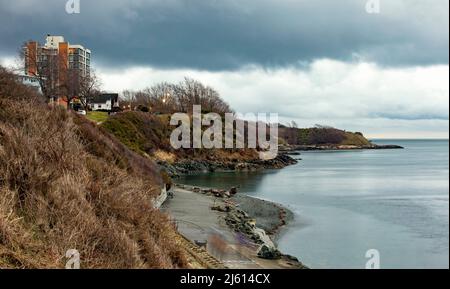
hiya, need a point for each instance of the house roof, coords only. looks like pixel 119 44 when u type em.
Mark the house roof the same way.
pixel 105 97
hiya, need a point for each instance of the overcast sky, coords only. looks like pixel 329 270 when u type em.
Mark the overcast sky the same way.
pixel 315 61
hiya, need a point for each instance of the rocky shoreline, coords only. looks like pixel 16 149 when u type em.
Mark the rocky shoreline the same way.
pixel 284 159
pixel 338 147
pixel 263 212
pixel 191 166
pixel 258 220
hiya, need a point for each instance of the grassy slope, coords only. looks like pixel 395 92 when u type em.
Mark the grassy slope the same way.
pixel 347 138
pixel 65 184
pixel 149 135
pixel 355 139
pixel 97 116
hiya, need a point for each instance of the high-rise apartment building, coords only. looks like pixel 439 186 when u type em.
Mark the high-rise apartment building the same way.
pixel 61 64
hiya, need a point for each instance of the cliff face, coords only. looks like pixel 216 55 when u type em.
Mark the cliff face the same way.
pixel 66 184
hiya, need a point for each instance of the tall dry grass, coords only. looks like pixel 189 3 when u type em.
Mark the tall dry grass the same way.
pixel 64 185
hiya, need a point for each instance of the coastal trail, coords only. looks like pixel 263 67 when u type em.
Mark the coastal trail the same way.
pixel 198 224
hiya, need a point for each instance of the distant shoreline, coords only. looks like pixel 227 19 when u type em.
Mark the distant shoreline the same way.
pixel 338 147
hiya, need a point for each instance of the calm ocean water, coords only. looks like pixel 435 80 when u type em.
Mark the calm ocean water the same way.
pixel 394 201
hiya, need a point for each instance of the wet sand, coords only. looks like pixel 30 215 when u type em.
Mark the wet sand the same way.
pixel 269 216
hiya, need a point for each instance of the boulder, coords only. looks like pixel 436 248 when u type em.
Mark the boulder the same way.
pixel 220 193
pixel 201 243
pixel 269 253
pixel 233 191
pixel 225 209
pixel 206 191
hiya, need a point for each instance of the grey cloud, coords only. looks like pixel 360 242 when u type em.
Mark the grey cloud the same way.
pixel 229 34
pixel 327 90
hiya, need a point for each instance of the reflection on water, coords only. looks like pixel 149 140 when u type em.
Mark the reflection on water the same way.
pixel 395 201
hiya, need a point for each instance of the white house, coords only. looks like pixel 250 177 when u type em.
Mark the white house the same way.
pixel 105 102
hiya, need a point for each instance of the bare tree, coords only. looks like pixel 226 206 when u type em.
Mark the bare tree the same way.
pixel 191 92
pixel 10 87
pixel 56 79
pixel 69 85
pixel 44 66
pixel 128 97
pixel 169 98
pixel 89 87
pixel 291 133
pixel 160 98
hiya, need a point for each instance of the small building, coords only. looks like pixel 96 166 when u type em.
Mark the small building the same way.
pixel 31 81
pixel 105 102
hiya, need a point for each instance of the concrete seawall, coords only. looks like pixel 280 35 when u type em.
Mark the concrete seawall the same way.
pixel 159 201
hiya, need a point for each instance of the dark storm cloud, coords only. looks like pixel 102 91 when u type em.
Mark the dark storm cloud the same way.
pixel 228 34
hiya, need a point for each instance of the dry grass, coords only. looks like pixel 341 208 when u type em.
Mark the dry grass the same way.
pixel 66 185
pixel 165 156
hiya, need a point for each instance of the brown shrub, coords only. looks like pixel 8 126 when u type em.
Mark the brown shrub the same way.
pixel 10 88
pixel 66 185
